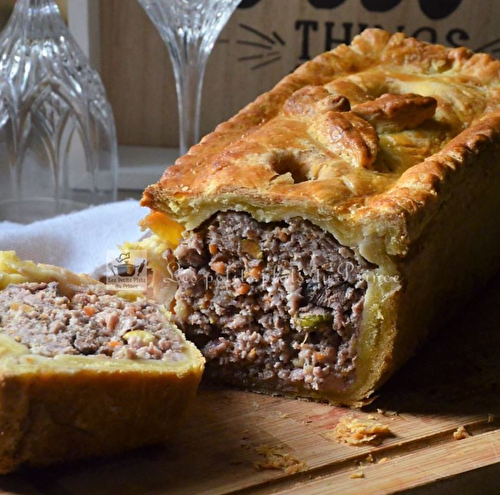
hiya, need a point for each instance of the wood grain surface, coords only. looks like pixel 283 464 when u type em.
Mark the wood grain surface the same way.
pixel 452 382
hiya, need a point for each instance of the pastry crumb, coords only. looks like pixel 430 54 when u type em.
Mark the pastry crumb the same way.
pixel 283 415
pixel 369 458
pixel 460 433
pixel 354 431
pixel 387 413
pixel 275 458
pixel 372 417
pixel 357 475
pixel 383 460
pixel 491 418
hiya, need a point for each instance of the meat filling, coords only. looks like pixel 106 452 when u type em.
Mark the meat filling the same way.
pixel 91 322
pixel 279 303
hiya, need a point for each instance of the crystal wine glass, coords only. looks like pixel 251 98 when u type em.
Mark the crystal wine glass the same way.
pixel 57 133
pixel 189 28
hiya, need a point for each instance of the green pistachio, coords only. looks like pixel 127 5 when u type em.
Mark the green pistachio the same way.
pixel 251 248
pixel 311 322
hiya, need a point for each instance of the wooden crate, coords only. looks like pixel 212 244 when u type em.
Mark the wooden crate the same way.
pixel 260 45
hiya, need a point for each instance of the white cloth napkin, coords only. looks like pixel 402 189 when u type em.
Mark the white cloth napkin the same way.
pixel 77 241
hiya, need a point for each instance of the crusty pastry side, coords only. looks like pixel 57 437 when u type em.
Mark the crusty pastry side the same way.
pixel 66 407
pixel 235 166
pixel 391 145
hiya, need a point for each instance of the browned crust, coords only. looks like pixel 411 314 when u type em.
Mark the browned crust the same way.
pixel 49 417
pixel 397 112
pixel 210 172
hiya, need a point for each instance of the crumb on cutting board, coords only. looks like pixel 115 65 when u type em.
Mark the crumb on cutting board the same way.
pixel 460 433
pixel 357 475
pixel 387 413
pixel 283 415
pixel 354 431
pixel 275 458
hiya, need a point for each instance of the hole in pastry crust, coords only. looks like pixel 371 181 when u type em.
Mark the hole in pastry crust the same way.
pixel 287 163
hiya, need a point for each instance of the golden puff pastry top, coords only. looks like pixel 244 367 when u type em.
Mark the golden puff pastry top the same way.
pixel 361 141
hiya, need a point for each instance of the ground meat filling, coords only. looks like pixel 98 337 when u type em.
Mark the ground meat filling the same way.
pixel 91 322
pixel 275 302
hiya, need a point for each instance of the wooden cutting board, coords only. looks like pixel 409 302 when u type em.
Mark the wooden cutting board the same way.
pixel 454 381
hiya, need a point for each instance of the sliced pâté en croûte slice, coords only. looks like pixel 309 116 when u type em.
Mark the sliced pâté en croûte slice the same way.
pixel 315 239
pixel 84 372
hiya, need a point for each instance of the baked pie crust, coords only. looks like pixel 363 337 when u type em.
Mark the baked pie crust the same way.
pixel 392 146
pixel 66 407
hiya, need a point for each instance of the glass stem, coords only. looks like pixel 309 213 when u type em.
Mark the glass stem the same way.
pixel 34 9
pixel 189 63
pixel 37 18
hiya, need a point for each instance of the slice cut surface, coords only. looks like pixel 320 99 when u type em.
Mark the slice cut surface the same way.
pixel 277 303
pixel 89 322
